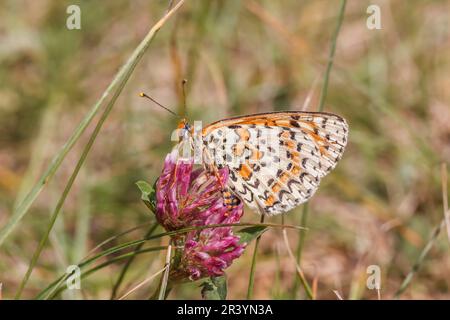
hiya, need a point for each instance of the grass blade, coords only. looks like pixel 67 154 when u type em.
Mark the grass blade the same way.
pixel 251 279
pixel 420 259
pixel 300 273
pixel 89 260
pixel 115 87
pixel 55 288
pixel 129 261
pixel 323 96
pixel 443 224
pixel 149 279
pixel 118 83
pixel 300 244
pixel 165 278
pixel 445 198
pixel 324 92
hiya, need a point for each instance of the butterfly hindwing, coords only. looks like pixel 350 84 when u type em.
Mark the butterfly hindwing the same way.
pixel 276 160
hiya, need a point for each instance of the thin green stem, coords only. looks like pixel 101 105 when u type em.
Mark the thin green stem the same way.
pixel 182 231
pixel 324 92
pixel 251 279
pixel 165 277
pixel 121 80
pixel 420 259
pixel 129 261
pixel 55 289
pixel 323 96
pixel 301 240
pixel 155 294
pixel 88 259
pixel 142 283
pixel 82 222
pixel 300 273
pixel 300 244
pixel 101 244
pixel 114 87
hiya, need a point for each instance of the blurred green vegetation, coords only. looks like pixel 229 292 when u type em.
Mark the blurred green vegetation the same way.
pixel 379 206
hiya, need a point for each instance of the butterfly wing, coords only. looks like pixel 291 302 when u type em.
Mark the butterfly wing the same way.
pixel 276 160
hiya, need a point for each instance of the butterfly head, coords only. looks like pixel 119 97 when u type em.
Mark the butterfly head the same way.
pixel 184 137
pixel 184 130
pixel 183 124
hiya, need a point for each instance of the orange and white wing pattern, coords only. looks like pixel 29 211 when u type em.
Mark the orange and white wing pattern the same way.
pixel 275 160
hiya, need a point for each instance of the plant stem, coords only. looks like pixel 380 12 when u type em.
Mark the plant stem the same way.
pixel 120 80
pixel 114 87
pixel 444 223
pixel 301 276
pixel 323 96
pixel 324 92
pixel 300 273
pixel 54 288
pixel 155 295
pixel 90 259
pixel 420 259
pixel 165 277
pixel 445 198
pixel 300 243
pixel 142 283
pixel 129 261
pixel 251 279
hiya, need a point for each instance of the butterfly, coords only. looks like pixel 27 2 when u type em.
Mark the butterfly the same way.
pixel 275 160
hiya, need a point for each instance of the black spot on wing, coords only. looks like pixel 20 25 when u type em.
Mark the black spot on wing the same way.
pixel 233 176
pixel 294 124
pixel 265 196
pixel 246 190
pixel 254 185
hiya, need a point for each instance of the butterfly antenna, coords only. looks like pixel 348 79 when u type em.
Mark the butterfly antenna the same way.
pixel 183 86
pixel 143 95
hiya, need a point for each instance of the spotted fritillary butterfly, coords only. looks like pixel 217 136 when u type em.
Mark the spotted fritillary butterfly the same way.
pixel 275 160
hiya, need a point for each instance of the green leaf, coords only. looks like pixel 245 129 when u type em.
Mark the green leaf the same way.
pixel 148 194
pixel 248 234
pixel 215 288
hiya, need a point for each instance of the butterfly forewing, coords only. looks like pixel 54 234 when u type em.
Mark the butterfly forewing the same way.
pixel 276 160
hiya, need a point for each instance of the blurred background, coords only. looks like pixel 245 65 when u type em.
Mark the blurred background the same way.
pixel 378 207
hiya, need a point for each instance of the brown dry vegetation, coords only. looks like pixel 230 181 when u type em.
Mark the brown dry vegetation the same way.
pixel 379 206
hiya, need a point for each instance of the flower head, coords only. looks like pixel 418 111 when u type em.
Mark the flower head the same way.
pixel 209 251
pixel 186 197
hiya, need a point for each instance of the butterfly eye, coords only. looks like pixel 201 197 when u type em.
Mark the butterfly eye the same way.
pixel 179 135
pixel 183 124
pixel 183 134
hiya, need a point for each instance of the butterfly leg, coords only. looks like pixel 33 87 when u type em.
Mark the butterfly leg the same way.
pixel 230 200
pixel 211 167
